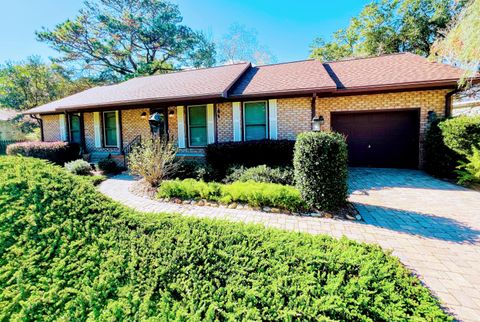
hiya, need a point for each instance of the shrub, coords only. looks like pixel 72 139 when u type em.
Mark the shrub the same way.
pixel 191 169
pixel 261 173
pixel 320 164
pixel 256 194
pixel 469 171
pixel 462 134
pixel 68 253
pixel 221 156
pixel 108 166
pixel 440 160
pixel 153 159
pixel 79 167
pixel 56 152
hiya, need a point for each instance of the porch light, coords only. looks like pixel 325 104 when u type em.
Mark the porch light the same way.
pixel 171 113
pixel 155 118
pixel 317 123
pixel 143 115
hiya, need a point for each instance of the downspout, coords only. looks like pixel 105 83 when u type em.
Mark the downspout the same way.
pixel 448 102
pixel 40 122
pixel 314 98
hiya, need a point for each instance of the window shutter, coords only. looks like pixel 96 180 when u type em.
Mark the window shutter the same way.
pixel 237 125
pixel 272 119
pixel 117 114
pixel 210 124
pixel 181 126
pixel 97 129
pixel 62 124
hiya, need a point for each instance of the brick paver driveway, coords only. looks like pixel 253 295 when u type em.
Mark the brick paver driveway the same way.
pixel 431 225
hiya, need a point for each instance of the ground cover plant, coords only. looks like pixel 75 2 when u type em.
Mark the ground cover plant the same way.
pixel 256 194
pixel 261 173
pixel 68 253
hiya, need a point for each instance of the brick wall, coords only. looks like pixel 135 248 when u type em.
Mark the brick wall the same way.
pixel 225 122
pixel 294 116
pixel 51 128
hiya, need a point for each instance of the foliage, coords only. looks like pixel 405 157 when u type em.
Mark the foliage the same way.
pixel 56 152
pixel 440 160
pixel 462 134
pixel 68 253
pixel 108 166
pixel 154 159
pixel 221 156
pixel 255 194
pixel 95 179
pixel 320 163
pixel 79 167
pixel 128 38
pixel 469 171
pixel 261 173
pixel 30 83
pixel 191 169
pixel 462 41
pixel 241 44
pixel 385 27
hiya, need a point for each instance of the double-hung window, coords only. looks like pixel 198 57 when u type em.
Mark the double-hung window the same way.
pixel 255 120
pixel 197 125
pixel 110 129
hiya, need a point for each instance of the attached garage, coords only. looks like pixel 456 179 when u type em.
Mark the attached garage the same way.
pixel 380 138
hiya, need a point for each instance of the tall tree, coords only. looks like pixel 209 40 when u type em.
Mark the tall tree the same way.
pixel 27 84
pixel 126 38
pixel 385 27
pixel 241 44
pixel 461 44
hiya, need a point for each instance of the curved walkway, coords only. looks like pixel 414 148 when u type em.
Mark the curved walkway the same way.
pixel 431 225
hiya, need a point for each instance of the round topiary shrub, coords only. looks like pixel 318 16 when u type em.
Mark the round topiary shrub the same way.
pixel 108 166
pixel 462 134
pixel 79 167
pixel 320 165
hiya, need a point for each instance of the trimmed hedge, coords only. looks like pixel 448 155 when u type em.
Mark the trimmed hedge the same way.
pixel 440 160
pixel 56 152
pixel 321 170
pixel 221 156
pixel 68 253
pixel 462 134
pixel 256 194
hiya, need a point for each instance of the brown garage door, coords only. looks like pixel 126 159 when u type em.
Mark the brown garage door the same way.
pixel 380 139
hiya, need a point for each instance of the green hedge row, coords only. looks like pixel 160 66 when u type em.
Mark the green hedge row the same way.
pixel 56 152
pixel 256 194
pixel 68 253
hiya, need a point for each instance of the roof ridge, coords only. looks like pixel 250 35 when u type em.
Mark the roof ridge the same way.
pixel 367 57
pixel 288 62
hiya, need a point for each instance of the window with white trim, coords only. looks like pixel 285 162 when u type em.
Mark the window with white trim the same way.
pixel 110 129
pixel 255 120
pixel 197 125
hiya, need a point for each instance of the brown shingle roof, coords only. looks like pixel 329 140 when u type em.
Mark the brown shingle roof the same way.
pixel 308 75
pixel 396 71
pixel 197 83
pixel 390 70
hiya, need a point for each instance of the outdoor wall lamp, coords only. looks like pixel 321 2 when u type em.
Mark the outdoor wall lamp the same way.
pixel 317 123
pixel 171 113
pixel 143 115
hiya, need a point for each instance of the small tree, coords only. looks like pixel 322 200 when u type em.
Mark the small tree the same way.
pixel 153 159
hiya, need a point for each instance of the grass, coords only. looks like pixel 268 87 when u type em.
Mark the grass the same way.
pixel 68 253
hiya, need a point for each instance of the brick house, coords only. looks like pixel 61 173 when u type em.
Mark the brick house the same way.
pixel 381 104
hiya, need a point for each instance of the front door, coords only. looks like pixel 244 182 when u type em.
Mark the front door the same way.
pixel 159 121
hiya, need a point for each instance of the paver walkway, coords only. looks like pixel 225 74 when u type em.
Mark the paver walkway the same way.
pixel 431 225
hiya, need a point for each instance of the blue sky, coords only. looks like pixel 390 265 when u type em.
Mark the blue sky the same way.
pixel 287 28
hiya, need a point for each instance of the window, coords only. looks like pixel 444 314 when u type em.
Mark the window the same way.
pixel 110 129
pixel 255 120
pixel 75 133
pixel 197 125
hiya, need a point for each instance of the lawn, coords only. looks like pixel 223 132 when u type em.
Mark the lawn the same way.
pixel 69 253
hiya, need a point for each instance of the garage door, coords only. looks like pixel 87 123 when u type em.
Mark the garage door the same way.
pixel 380 139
